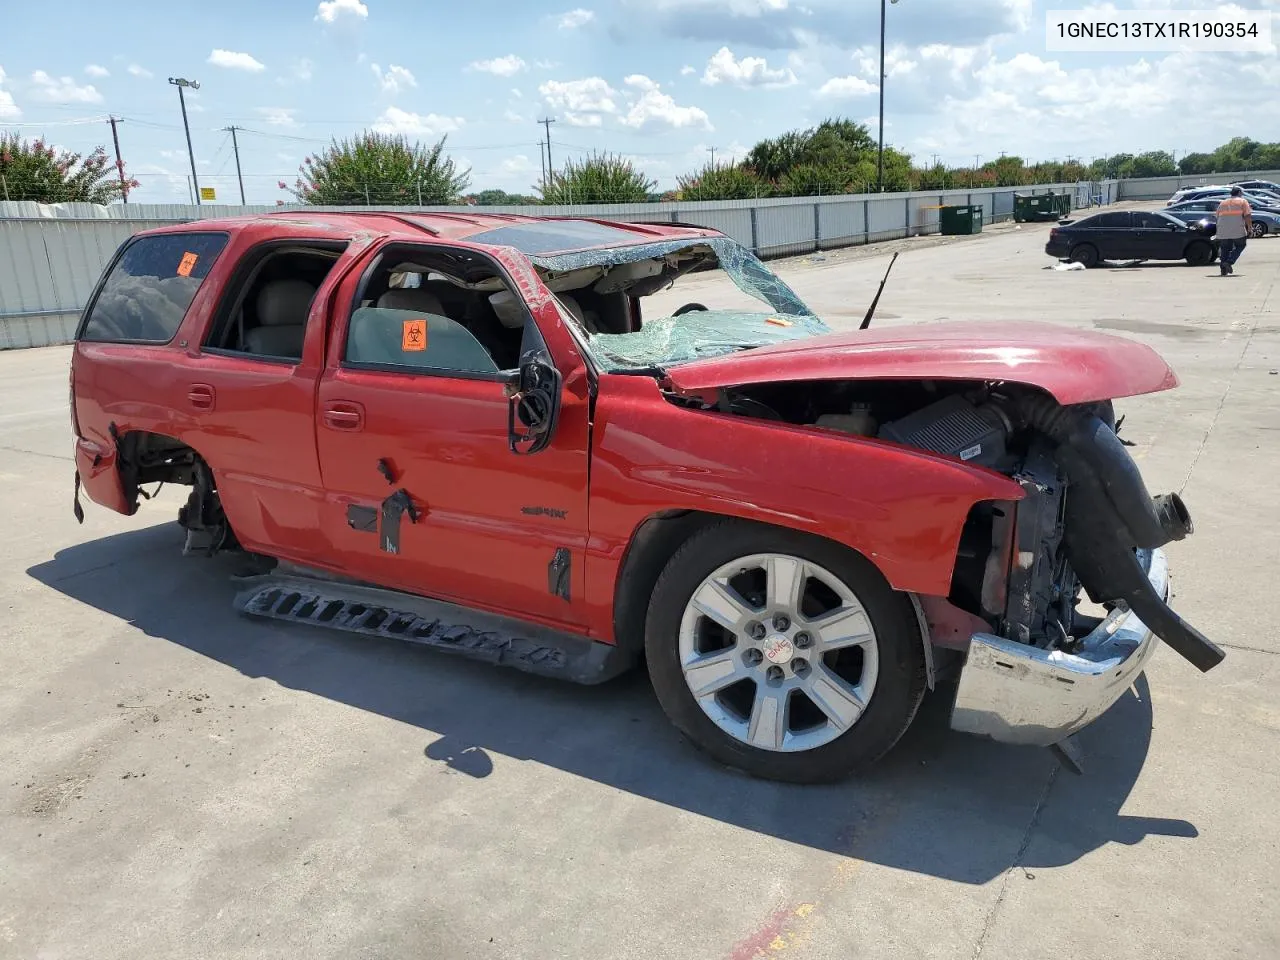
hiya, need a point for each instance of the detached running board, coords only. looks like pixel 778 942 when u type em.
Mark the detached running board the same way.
pixel 373 612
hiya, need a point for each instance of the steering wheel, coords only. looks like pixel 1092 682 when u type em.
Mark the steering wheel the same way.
pixel 689 308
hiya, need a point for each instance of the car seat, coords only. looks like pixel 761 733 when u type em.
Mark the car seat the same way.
pixel 282 308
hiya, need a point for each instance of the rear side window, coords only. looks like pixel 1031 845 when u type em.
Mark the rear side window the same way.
pixel 148 291
pixel 1107 221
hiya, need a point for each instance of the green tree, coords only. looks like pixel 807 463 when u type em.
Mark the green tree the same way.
pixel 379 168
pixel 814 180
pixel 724 182
pixel 599 178
pixel 499 198
pixel 36 171
pixel 1153 163
pixel 773 157
pixel 1196 163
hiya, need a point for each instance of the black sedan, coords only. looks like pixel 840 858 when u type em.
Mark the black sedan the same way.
pixel 1130 235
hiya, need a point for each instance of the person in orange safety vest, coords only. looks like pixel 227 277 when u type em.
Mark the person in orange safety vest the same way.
pixel 1235 221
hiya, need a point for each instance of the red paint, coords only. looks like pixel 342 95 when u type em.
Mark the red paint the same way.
pixel 1075 366
pixel 292 446
pixel 758 942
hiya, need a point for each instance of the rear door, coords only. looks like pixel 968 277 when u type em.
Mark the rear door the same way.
pixel 1110 233
pixel 422 491
pixel 252 410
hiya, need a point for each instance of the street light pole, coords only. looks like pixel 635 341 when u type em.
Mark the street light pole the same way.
pixel 182 83
pixel 880 160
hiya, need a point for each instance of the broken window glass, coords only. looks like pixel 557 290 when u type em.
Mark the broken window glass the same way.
pixel 690 334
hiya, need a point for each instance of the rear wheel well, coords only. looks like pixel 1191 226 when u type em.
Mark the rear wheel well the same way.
pixel 143 457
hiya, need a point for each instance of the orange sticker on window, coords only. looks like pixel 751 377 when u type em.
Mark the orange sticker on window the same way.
pixel 187 264
pixel 414 335
pixel 777 322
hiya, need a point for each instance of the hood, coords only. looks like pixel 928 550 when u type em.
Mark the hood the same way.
pixel 1073 366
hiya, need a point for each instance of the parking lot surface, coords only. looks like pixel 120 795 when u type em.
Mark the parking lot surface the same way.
pixel 178 781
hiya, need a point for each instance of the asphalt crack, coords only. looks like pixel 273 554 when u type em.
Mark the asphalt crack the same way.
pixel 37 453
pixel 989 920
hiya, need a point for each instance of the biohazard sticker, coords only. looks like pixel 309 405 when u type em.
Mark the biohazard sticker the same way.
pixel 414 335
pixel 187 264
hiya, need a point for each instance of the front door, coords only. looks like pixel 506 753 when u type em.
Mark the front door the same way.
pixel 1157 237
pixel 422 491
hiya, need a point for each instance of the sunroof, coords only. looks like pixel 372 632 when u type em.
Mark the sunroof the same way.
pixel 555 236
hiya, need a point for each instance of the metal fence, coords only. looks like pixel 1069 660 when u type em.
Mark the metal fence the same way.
pixel 51 255
pixel 1161 188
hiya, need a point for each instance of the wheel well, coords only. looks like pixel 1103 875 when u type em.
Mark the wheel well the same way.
pixel 144 457
pixel 652 545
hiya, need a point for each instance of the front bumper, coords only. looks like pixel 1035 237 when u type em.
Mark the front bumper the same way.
pixel 1019 694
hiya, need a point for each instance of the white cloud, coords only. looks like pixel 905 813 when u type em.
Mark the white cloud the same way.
pixel 395 120
pixel 588 95
pixel 333 11
pixel 512 117
pixel 582 119
pixel 94 70
pixel 235 60
pixel 517 164
pixel 687 70
pixel 277 116
pixel 62 90
pixel 8 109
pixel 397 79
pixel 655 109
pixel 572 19
pixel 300 72
pixel 845 87
pixel 546 64
pixel 516 92
pixel 142 73
pixel 747 72
pixel 507 66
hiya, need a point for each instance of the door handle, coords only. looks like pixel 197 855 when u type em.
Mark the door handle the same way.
pixel 344 415
pixel 200 396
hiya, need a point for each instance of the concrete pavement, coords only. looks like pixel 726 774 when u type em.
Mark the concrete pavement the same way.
pixel 179 781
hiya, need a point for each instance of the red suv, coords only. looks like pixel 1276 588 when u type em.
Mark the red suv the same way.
pixel 566 444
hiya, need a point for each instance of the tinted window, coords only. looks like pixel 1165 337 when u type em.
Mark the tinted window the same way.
pixel 415 340
pixel 1153 221
pixel 1107 221
pixel 148 291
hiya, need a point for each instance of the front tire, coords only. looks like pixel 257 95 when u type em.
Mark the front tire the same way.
pixel 1199 253
pixel 783 654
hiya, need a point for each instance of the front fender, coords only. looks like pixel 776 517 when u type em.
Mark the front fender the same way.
pixel 903 509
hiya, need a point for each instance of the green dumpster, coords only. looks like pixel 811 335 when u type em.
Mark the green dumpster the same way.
pixel 1046 206
pixel 960 221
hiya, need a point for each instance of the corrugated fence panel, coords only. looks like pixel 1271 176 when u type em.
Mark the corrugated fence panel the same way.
pixel 841 222
pixel 786 229
pixel 885 218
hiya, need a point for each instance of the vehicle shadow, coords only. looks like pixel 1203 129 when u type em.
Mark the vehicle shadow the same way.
pixel 940 803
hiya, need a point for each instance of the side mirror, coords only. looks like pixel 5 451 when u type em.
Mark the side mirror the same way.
pixel 533 404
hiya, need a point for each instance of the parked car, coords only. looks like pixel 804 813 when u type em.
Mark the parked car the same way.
pixel 1265 220
pixel 1184 193
pixel 1268 185
pixel 1130 235
pixel 1256 197
pixel 493 421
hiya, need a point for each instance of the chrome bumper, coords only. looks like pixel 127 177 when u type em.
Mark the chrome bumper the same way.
pixel 1020 694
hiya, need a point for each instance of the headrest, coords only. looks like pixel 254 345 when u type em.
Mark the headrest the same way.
pixel 285 303
pixel 420 301
pixel 573 307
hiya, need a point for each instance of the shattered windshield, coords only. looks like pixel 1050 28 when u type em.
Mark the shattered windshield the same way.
pixel 697 299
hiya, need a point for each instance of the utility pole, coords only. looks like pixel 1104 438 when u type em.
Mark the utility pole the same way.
pixel 712 151
pixel 235 147
pixel 880 159
pixel 182 83
pixel 551 167
pixel 542 157
pixel 115 138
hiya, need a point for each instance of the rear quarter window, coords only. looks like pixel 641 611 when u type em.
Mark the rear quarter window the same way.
pixel 151 286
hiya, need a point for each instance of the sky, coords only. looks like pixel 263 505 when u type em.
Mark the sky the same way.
pixel 663 82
